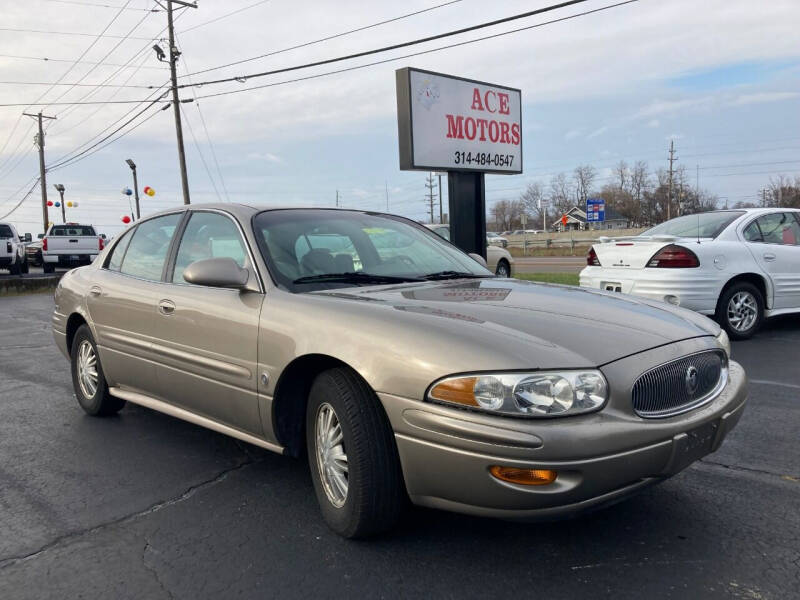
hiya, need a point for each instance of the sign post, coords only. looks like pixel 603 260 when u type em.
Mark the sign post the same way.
pixel 467 128
pixel 523 219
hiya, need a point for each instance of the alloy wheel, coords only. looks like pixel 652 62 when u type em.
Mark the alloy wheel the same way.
pixel 87 369
pixel 331 455
pixel 742 311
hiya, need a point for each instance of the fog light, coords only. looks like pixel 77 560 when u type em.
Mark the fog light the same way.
pixel 524 476
pixel 672 300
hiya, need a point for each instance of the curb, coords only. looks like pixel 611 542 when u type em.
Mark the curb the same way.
pixel 11 286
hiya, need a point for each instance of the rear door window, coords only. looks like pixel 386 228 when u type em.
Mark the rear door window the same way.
pixel 775 228
pixel 118 253
pixel 148 248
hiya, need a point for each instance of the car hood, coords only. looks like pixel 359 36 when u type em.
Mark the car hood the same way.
pixel 572 325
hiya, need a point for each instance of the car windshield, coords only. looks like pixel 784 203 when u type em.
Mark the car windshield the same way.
pixel 308 250
pixel 73 230
pixel 704 225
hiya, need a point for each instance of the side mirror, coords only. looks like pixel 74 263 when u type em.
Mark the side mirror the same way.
pixel 39 236
pixel 478 259
pixel 217 272
pixel 27 238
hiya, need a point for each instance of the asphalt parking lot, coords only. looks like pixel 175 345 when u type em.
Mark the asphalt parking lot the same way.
pixel 145 506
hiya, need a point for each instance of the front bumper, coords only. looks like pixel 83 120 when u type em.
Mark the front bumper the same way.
pixel 601 458
pixel 694 289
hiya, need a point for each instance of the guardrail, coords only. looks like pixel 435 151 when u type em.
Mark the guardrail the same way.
pixel 12 286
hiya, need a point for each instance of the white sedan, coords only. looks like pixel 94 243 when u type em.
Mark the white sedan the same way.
pixel 739 266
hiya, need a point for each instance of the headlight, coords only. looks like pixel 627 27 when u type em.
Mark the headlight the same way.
pixel 725 342
pixel 538 394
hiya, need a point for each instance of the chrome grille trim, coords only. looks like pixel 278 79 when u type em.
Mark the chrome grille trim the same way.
pixel 662 391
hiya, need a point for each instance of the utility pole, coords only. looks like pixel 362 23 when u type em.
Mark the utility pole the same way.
pixel 176 106
pixel 441 213
pixel 42 180
pixel 386 183
pixel 669 194
pixel 430 185
pixel 337 198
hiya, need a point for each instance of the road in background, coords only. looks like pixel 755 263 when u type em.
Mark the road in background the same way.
pixel 142 505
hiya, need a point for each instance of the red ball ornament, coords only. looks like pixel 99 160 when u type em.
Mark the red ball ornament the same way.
pixel 126 219
pixel 49 203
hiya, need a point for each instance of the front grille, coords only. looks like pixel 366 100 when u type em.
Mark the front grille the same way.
pixel 680 385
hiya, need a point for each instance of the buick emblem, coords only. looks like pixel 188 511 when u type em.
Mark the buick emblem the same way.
pixel 691 380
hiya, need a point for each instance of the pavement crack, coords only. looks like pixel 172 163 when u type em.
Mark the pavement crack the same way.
pixel 67 537
pixel 746 469
pixel 151 568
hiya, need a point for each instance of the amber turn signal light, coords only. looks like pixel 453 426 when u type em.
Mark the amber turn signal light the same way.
pixel 460 391
pixel 524 476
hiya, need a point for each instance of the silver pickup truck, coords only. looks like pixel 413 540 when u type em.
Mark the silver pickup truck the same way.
pixel 12 250
pixel 70 245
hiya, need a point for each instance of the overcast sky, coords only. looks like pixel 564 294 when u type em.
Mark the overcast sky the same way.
pixel 720 77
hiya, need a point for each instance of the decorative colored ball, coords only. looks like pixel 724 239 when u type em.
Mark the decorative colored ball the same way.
pixel 49 203
pixel 58 204
pixel 149 191
pixel 127 191
pixel 74 205
pixel 126 219
pixel 69 203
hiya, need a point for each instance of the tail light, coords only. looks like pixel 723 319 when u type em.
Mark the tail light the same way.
pixel 591 258
pixel 44 244
pixel 674 257
pixel 99 243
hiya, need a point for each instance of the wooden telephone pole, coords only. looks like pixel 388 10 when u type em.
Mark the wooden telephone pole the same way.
pixel 176 106
pixel 672 158
pixel 42 178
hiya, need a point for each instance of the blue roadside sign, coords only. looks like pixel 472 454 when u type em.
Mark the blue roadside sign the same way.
pixel 595 210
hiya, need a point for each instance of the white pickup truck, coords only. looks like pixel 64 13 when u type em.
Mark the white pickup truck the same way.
pixel 70 245
pixel 12 250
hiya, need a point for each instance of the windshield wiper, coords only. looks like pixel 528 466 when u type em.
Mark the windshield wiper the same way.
pixel 452 275
pixel 357 277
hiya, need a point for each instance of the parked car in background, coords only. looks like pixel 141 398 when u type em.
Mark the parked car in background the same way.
pixel 496 240
pixel 498 260
pixel 70 245
pixel 12 250
pixel 739 266
pixel 416 375
pixel 34 253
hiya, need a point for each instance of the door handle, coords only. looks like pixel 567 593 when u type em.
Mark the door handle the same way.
pixel 769 256
pixel 166 307
pixel 95 291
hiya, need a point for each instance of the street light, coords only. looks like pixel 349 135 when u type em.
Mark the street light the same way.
pixel 132 165
pixel 60 188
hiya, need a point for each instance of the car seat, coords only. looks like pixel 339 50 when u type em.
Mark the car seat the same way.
pixel 317 261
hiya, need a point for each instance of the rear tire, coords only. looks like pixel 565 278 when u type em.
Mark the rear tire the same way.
pixel 48 267
pixel 88 380
pixel 740 310
pixel 15 268
pixel 352 456
pixel 25 266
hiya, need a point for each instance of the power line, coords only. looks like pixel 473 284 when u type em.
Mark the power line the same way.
pixel 67 60
pixel 25 197
pixel 530 13
pixel 73 85
pixel 202 157
pixel 71 33
pixel 225 16
pixel 396 58
pixel 327 38
pixel 98 5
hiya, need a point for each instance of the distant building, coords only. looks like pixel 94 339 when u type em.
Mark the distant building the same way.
pixel 576 221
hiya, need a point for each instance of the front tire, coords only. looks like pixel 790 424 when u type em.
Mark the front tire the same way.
pixel 352 456
pixel 16 267
pixel 503 269
pixel 741 310
pixel 88 380
pixel 25 266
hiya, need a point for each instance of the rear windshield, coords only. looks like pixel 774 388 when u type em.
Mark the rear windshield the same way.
pixel 704 225
pixel 5 232
pixel 73 230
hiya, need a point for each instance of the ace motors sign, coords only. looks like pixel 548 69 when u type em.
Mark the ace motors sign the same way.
pixel 453 124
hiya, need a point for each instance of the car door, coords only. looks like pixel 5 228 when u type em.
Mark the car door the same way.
pixel 122 303
pixel 774 241
pixel 207 338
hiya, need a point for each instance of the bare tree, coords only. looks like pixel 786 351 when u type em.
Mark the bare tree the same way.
pixel 533 201
pixel 584 176
pixel 560 193
pixel 506 214
pixel 622 174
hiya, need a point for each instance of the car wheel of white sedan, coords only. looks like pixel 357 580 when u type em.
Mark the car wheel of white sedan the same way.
pixel 88 380
pixel 741 310
pixel 352 456
pixel 503 269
